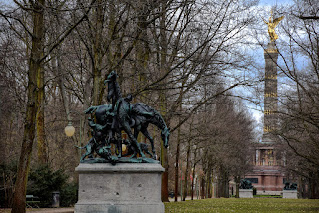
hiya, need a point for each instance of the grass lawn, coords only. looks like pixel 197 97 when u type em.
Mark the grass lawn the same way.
pixel 244 205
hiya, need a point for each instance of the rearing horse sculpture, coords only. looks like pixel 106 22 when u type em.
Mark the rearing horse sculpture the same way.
pixel 121 108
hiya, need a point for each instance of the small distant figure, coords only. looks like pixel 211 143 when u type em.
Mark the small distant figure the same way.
pixel 272 23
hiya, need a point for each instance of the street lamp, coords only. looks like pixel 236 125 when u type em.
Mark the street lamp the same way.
pixel 69 129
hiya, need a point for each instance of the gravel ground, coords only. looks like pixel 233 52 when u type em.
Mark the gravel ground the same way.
pixel 43 210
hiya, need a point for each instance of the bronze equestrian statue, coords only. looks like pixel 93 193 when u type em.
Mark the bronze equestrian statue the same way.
pixel 111 119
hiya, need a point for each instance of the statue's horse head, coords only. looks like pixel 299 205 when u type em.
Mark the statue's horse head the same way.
pixel 165 136
pixel 111 77
pixel 114 91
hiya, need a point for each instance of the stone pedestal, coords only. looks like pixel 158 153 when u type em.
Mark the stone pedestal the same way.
pixel 124 187
pixel 246 193
pixel 290 194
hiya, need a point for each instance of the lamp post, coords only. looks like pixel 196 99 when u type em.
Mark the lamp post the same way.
pixel 70 130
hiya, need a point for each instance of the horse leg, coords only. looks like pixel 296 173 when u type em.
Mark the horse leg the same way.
pixel 150 154
pixel 119 147
pixel 145 149
pixel 149 137
pixel 137 130
pixel 116 139
pixel 134 142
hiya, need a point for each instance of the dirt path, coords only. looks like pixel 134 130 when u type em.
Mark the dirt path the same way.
pixel 43 210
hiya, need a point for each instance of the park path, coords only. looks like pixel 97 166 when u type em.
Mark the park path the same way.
pixel 43 210
pixel 52 210
pixel 67 210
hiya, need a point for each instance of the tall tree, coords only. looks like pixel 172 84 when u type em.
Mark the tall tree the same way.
pixel 162 95
pixel 98 51
pixel 35 76
pixel 35 68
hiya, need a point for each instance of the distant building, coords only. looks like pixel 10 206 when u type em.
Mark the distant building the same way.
pixel 267 175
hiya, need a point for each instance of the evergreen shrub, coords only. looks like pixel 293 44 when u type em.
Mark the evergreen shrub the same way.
pixel 43 181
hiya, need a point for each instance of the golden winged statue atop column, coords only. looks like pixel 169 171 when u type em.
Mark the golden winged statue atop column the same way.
pixel 272 25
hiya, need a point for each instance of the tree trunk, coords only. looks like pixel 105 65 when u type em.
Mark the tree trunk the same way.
pixel 314 185
pixel 163 69
pixel 164 162
pixel 226 183
pixel 97 54
pixel 192 186
pixel 164 155
pixel 223 190
pixel 35 67
pixel 193 174
pixel 223 183
pixel 142 53
pixel 237 181
pixel 187 170
pixel 42 146
pixel 209 184
pixel 202 184
pixel 142 49
pixel 177 162
pixel 111 58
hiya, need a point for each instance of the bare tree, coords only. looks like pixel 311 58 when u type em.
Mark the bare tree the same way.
pixel 180 52
pixel 35 77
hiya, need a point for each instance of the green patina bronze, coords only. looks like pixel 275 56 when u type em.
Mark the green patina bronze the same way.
pixel 245 184
pixel 290 186
pixel 111 119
